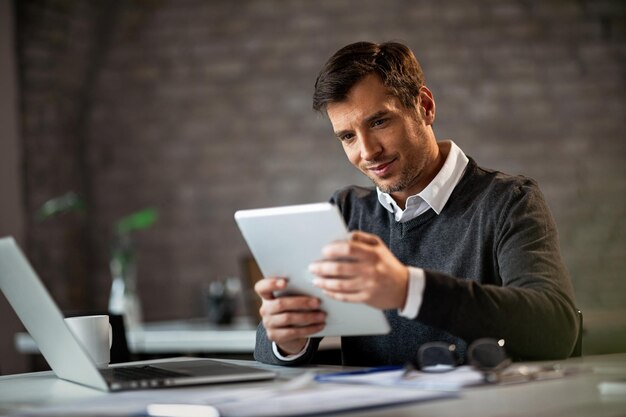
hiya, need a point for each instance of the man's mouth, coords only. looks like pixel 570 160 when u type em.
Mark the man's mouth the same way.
pixel 382 168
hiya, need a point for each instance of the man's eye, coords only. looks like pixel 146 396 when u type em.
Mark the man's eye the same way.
pixel 378 122
pixel 346 137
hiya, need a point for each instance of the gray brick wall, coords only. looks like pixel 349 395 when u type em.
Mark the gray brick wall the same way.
pixel 200 108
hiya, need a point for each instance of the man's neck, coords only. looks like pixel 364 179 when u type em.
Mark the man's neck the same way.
pixel 441 153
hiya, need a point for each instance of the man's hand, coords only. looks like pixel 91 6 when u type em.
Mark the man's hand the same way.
pixel 362 269
pixel 288 320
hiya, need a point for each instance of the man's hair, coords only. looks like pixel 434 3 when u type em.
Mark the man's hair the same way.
pixel 393 62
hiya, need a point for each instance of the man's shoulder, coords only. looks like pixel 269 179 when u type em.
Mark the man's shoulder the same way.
pixel 502 182
pixel 495 187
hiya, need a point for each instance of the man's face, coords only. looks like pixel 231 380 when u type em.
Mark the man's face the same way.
pixel 391 144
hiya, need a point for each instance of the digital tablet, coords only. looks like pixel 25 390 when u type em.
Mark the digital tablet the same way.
pixel 285 240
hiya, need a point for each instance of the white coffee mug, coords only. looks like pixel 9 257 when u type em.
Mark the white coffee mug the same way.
pixel 95 335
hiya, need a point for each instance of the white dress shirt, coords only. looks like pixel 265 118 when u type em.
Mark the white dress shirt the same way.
pixel 434 196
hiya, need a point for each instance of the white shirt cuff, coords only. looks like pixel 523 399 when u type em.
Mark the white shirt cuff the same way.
pixel 289 357
pixel 417 280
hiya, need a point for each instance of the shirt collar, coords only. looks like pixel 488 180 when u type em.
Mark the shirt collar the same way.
pixel 438 191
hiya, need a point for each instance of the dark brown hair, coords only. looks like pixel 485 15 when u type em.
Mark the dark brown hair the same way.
pixel 393 62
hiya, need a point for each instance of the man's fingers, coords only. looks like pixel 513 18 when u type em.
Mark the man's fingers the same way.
pixel 292 333
pixel 266 287
pixel 363 237
pixel 341 285
pixel 289 303
pixel 286 327
pixel 334 269
pixel 356 297
pixel 347 250
pixel 294 320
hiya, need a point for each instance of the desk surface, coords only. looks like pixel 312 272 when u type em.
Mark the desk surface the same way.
pixel 576 395
pixel 176 337
pixel 190 336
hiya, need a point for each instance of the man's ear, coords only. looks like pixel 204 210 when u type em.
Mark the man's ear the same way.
pixel 427 105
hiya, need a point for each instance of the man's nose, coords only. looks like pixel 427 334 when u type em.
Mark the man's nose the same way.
pixel 370 147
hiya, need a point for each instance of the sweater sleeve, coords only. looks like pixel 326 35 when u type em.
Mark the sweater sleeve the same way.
pixel 533 309
pixel 263 350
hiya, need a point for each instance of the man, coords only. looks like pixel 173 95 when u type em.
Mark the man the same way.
pixel 450 251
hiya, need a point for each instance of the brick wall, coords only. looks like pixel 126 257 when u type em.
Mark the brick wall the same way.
pixel 201 108
pixel 55 41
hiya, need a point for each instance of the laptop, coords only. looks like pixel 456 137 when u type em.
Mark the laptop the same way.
pixel 69 361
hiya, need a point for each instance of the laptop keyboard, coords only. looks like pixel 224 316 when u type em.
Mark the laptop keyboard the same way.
pixel 173 373
pixel 133 373
pixel 138 376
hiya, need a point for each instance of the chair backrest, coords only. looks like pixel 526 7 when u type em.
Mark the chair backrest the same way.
pixel 578 347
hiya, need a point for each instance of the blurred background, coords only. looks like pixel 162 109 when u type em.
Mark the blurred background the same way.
pixel 199 108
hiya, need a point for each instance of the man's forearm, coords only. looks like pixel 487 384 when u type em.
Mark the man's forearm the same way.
pixel 536 323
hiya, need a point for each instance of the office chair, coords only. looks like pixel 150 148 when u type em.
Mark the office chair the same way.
pixel 578 347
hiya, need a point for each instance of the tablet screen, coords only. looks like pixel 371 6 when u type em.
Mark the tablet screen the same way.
pixel 285 240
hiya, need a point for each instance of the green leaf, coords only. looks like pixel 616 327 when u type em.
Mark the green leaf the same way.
pixel 142 219
pixel 65 203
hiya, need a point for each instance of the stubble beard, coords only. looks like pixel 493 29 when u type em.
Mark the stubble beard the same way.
pixel 408 174
pixel 407 178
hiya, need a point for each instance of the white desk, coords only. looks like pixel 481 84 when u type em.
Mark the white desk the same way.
pixel 572 396
pixel 191 336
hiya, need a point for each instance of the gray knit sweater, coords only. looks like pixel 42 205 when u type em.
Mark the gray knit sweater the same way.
pixel 493 269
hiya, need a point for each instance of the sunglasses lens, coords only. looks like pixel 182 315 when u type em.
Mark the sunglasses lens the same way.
pixel 436 357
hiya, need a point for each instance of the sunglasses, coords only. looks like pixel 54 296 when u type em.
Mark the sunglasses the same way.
pixel 486 355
